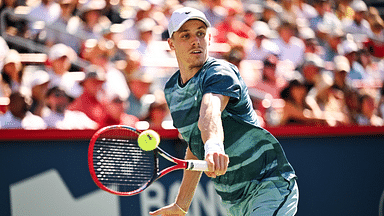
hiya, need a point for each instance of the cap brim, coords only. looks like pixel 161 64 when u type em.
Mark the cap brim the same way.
pixel 189 18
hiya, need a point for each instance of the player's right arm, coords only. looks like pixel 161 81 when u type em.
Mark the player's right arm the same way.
pixel 186 191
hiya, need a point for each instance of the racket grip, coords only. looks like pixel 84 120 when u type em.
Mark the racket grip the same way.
pixel 197 165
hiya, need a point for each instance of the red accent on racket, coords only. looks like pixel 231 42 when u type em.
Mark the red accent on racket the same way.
pixel 118 165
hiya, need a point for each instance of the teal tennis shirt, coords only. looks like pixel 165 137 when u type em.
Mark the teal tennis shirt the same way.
pixel 253 152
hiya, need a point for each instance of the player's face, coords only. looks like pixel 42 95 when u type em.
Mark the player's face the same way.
pixel 190 44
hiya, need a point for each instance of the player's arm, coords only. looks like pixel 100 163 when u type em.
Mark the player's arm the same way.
pixel 186 191
pixel 212 133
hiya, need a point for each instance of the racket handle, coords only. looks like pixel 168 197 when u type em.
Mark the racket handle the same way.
pixel 197 165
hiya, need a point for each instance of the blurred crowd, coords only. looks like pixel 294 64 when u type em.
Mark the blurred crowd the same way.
pixel 305 62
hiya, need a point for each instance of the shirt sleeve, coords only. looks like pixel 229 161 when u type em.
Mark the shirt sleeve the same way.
pixel 222 80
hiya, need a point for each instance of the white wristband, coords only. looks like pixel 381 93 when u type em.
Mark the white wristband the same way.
pixel 212 146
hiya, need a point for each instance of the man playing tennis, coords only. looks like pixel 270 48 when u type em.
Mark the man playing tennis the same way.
pixel 212 110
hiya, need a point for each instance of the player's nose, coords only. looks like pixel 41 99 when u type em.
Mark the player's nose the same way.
pixel 195 40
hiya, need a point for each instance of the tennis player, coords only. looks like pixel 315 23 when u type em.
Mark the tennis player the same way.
pixel 212 110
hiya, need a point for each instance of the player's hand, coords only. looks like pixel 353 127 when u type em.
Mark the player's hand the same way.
pixel 217 164
pixel 170 210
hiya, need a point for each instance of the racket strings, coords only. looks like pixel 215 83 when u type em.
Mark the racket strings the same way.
pixel 121 165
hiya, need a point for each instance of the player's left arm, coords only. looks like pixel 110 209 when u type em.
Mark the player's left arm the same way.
pixel 212 133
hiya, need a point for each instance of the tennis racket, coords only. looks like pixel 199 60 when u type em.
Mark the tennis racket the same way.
pixel 118 165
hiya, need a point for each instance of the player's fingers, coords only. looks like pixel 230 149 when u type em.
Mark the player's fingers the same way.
pixel 211 166
pixel 225 162
pixel 218 166
pixel 210 162
pixel 216 158
pixel 210 174
pixel 221 162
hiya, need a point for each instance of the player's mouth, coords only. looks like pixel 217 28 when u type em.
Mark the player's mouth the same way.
pixel 196 52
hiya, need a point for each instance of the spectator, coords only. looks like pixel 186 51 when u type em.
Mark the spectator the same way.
pixel 158 112
pixel 295 110
pixel 325 16
pixel 271 13
pixel 112 11
pixel 261 46
pixel 18 116
pixel 374 43
pixel 340 73
pixel 232 30
pixel 350 50
pixel 270 82
pixel 311 70
pixel 14 25
pixel 141 97
pixel 359 26
pixel 59 117
pixel 351 98
pixel 66 30
pixel 39 86
pixel 304 11
pixel 147 48
pixel 115 105
pixel 235 55
pixel 214 11
pixel 60 57
pixel 111 33
pixel 99 53
pixel 251 14
pixel 376 23
pixel 291 48
pixel 310 41
pixel 325 103
pixel 88 101
pixel 371 68
pixel 367 115
pixel 132 63
pixel 90 14
pixel 131 32
pixel 12 73
pixel 47 11
pixel 322 33
pixel 344 9
pixel 289 10
pixel 331 48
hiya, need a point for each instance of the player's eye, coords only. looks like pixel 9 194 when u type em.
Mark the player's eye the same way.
pixel 184 36
pixel 201 34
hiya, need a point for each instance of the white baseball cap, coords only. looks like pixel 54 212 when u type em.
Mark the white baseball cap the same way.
pixel 39 77
pixel 182 15
pixel 348 46
pixel 261 28
pixel 341 63
pixel 59 50
pixel 359 6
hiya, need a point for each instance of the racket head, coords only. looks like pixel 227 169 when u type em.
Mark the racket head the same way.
pixel 116 162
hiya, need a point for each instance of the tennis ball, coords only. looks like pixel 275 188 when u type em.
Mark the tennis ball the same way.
pixel 148 140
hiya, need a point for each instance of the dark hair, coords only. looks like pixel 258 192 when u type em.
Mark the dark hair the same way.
pixel 7 78
pixel 285 93
pixel 361 99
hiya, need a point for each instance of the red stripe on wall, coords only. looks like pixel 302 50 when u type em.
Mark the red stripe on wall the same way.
pixel 286 131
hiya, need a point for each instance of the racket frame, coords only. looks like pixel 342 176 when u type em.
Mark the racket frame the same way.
pixel 195 165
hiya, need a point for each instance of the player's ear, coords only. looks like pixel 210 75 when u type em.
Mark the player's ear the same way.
pixel 170 43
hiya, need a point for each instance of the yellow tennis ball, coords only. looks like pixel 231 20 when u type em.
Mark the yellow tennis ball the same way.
pixel 148 140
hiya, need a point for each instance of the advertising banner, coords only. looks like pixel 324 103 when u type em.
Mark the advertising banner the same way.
pixel 337 175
